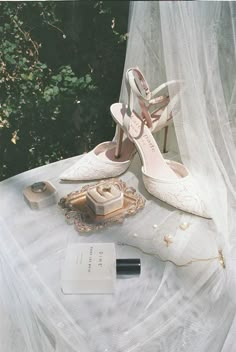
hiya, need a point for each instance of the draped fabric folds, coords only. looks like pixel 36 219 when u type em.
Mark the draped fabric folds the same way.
pixel 196 42
pixel 185 298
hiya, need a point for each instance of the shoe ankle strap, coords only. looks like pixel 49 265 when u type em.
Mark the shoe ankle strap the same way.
pixel 149 99
pixel 134 88
pixel 130 78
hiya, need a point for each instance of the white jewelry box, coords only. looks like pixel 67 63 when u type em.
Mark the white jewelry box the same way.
pixel 40 195
pixel 104 199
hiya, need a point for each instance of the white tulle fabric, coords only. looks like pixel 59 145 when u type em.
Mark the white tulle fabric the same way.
pixel 178 304
pixel 195 42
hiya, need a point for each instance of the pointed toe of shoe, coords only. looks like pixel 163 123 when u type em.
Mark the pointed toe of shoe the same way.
pixel 79 171
pixel 182 193
pixel 75 173
pixel 92 167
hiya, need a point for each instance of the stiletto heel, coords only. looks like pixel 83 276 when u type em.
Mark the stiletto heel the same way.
pixel 165 139
pixel 119 143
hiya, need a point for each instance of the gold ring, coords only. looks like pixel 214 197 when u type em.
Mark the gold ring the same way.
pixel 101 189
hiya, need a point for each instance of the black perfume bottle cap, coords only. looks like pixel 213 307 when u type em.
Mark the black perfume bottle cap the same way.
pixel 130 266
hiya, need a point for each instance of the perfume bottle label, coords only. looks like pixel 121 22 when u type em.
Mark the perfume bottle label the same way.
pixel 89 268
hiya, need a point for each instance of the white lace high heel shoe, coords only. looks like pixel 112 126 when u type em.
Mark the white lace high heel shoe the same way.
pixel 106 160
pixel 101 163
pixel 167 180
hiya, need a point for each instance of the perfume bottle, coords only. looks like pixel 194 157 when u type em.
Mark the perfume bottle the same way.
pixel 92 268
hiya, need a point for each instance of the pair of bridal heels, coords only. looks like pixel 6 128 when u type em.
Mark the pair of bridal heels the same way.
pixel 167 180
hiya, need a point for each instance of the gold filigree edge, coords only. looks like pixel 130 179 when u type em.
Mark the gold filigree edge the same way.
pixel 76 215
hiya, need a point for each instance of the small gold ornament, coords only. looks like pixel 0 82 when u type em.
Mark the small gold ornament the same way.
pixel 168 239
pixel 184 225
pixel 221 258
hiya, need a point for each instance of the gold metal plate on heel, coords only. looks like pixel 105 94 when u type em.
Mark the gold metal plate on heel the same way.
pixel 77 211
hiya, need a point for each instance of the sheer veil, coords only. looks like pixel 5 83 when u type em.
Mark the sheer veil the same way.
pixel 196 42
pixel 185 300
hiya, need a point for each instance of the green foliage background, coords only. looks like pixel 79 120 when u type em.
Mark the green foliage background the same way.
pixel 61 65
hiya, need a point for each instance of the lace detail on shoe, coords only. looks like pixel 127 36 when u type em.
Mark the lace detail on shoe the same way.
pixel 91 167
pixel 182 194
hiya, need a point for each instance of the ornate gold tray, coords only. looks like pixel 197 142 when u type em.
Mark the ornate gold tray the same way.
pixel 78 212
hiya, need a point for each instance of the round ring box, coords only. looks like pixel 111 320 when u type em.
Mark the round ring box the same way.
pixel 104 199
pixel 40 195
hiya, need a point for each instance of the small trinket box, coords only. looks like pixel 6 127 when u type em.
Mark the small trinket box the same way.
pixel 104 199
pixel 40 195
